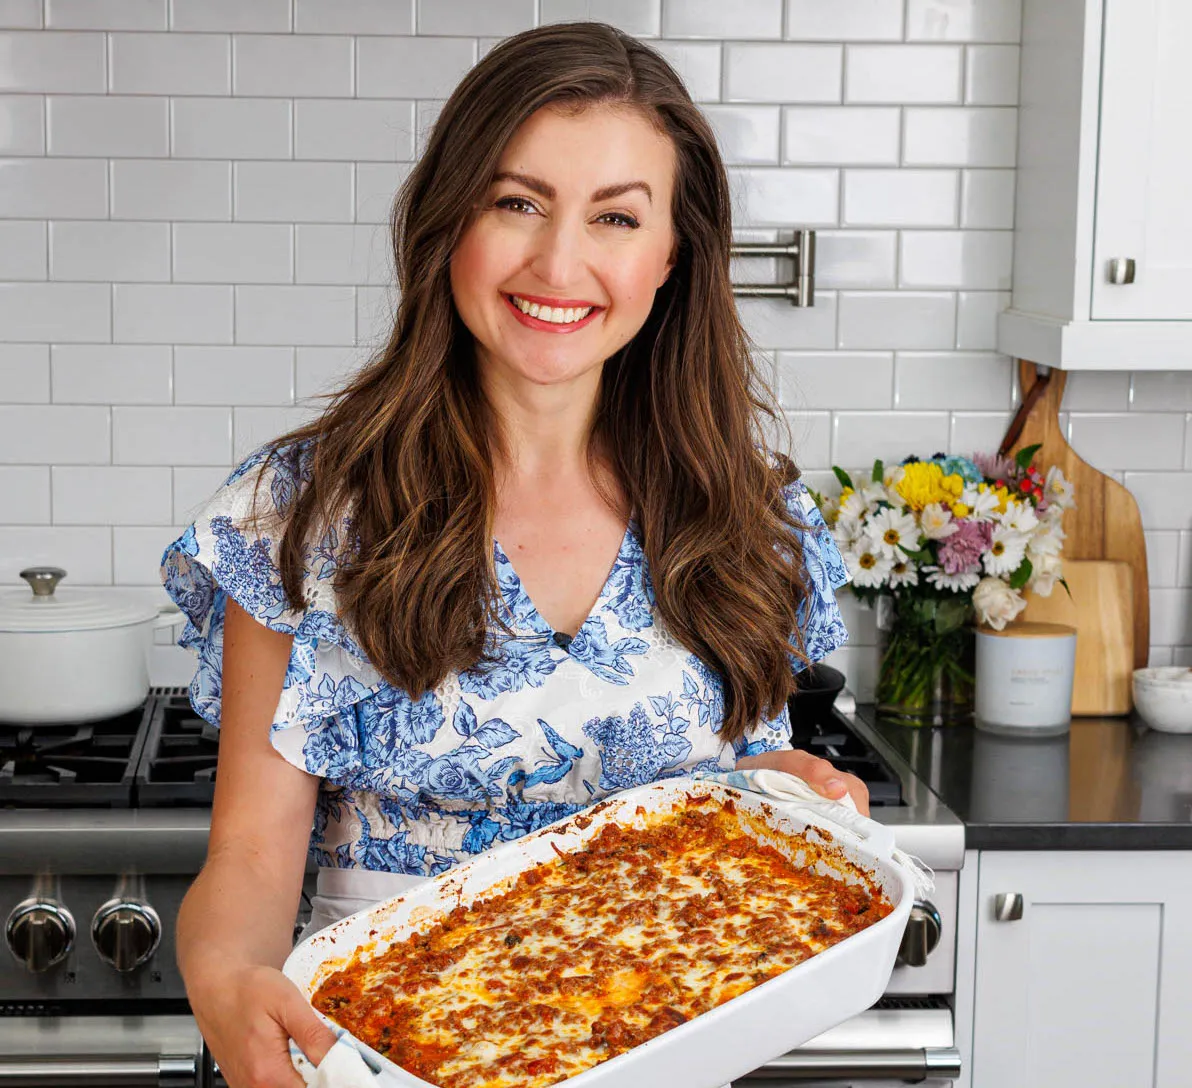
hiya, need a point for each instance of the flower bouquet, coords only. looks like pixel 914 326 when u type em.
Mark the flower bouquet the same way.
pixel 936 544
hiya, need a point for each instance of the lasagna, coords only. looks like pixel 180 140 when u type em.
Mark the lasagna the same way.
pixel 594 953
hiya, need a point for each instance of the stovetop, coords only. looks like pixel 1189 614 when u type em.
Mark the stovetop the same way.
pixel 163 755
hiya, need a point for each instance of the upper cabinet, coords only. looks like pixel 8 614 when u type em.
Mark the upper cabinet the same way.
pixel 1103 220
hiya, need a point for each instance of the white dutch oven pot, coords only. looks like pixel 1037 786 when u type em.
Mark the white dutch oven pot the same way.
pixel 71 657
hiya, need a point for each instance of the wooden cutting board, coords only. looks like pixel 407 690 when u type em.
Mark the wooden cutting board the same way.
pixel 1105 523
pixel 1101 609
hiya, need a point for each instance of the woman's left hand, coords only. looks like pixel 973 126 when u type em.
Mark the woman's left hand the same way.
pixel 818 773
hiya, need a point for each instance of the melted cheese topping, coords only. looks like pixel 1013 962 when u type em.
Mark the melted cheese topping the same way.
pixel 593 954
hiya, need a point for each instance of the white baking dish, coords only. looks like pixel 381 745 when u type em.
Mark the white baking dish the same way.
pixel 711 1049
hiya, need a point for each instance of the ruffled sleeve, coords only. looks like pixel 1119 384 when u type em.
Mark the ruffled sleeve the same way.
pixel 224 554
pixel 819 615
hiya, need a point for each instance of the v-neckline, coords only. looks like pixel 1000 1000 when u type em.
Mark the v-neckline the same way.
pixel 533 608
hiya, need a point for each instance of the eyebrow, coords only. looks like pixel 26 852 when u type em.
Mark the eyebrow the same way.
pixel 545 189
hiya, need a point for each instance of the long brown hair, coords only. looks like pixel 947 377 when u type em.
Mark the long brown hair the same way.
pixel 406 446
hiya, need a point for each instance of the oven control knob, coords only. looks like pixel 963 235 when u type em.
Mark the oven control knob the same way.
pixel 40 933
pixel 923 929
pixel 126 933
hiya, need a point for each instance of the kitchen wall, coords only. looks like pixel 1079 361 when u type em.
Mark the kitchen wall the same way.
pixel 192 195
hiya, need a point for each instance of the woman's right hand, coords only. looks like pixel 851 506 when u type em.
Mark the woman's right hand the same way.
pixel 248 1016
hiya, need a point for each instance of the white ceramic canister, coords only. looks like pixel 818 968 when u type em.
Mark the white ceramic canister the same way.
pixel 1024 678
pixel 68 656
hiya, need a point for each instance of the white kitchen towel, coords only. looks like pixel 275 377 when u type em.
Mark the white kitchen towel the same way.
pixel 342 1067
pixel 788 787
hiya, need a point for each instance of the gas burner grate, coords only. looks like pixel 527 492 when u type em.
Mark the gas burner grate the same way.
pixel 829 736
pixel 178 764
pixel 71 765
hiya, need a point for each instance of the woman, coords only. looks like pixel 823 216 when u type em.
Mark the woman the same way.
pixel 533 554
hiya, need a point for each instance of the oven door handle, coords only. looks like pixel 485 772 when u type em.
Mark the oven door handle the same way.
pixel 905 1065
pixel 100 1071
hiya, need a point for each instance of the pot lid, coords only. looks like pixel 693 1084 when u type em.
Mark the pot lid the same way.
pixel 45 609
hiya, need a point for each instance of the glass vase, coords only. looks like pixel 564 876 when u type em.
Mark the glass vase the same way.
pixel 927 649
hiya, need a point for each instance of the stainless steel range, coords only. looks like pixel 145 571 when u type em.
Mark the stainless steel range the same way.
pixel 104 825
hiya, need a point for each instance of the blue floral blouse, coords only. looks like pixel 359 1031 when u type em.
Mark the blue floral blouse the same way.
pixel 416 785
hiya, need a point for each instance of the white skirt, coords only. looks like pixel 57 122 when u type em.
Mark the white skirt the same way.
pixel 340 892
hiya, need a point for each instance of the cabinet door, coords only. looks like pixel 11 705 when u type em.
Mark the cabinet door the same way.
pixel 1144 161
pixel 1092 986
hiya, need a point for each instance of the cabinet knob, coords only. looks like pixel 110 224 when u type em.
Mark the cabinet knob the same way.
pixel 1007 906
pixel 1121 270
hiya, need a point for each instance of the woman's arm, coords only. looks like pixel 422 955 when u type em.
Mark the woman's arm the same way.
pixel 235 925
pixel 818 773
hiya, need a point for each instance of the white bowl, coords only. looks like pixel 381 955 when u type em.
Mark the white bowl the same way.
pixel 1163 697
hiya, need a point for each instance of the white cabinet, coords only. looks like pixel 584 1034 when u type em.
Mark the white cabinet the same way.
pixel 1092 986
pixel 1104 169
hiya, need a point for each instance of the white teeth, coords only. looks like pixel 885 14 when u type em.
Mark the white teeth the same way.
pixel 554 314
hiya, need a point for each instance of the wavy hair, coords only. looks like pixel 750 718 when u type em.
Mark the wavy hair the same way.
pixel 407 446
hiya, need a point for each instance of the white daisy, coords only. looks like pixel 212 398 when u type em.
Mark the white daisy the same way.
pixel 936 521
pixel 982 504
pixel 867 565
pixel 903 573
pixel 1019 516
pixel 892 476
pixel 893 530
pixel 958 583
pixel 855 506
pixel 1006 551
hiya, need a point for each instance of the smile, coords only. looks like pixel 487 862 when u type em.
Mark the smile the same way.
pixel 537 315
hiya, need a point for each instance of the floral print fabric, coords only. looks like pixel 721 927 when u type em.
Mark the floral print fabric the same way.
pixel 415 785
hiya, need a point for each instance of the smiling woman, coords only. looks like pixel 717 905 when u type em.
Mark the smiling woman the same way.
pixel 534 553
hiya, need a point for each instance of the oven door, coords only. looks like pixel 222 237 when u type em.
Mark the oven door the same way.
pixel 899 1040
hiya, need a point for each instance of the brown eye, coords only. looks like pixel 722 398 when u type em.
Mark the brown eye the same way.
pixel 514 204
pixel 625 220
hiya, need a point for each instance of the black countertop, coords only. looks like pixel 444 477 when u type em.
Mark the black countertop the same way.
pixel 1107 784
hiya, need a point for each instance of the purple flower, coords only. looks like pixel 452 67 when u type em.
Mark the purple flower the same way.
pixel 961 552
pixel 995 467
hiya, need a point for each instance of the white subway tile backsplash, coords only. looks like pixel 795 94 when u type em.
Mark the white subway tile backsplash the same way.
pixel 193 489
pixel 22 250
pixel 1131 441
pixel 411 67
pixel 232 128
pixel 1188 441
pixel 884 320
pixel 843 20
pixel 24 373
pixel 171 436
pixel 347 254
pixel 1160 392
pixel 85 553
pixel 782 73
pixel 54 188
pixel 835 380
pixel 295 315
pixel 1096 391
pixel 1171 616
pixel 170 64
pixel 101 126
pixel 233 252
pixel 713 19
pixel 22 124
pixel 855 258
pixel 747 135
pixel 256 426
pixel 810 439
pixel 496 18
pixel 981 136
pixel 381 131
pixel 295 192
pixel 851 135
pixel 105 251
pixel 106 14
pixel 1163 558
pixel 21 14
pixel 376 308
pixel 964 20
pixel 233 375
pixel 987 199
pixel 34 434
pixel 111 495
pixel 170 313
pixel 977 432
pixel 698 63
pixel 136 554
pixel 956 381
pixel 776 324
pixel 991 75
pixel 784 197
pixel 276 66
pixel 164 189
pixel 859 438
pixel 26 491
pixel 111 373
pixel 376 186
pixel 903 73
pixel 354 16
pixel 976 318
pixel 64 62
pixel 43 312
pixel 1164 498
pixel 641 18
pixel 231 15
pixel 978 259
pixel 324 370
pixel 900 198
pixel 1184 569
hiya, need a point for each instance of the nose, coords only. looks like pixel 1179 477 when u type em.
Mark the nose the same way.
pixel 557 253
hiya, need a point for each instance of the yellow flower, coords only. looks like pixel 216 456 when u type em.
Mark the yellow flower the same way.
pixel 845 492
pixel 924 482
pixel 959 510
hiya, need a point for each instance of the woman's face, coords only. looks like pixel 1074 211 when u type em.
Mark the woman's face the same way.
pixel 558 269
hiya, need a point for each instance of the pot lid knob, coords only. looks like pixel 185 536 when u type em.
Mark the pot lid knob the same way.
pixel 43 579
